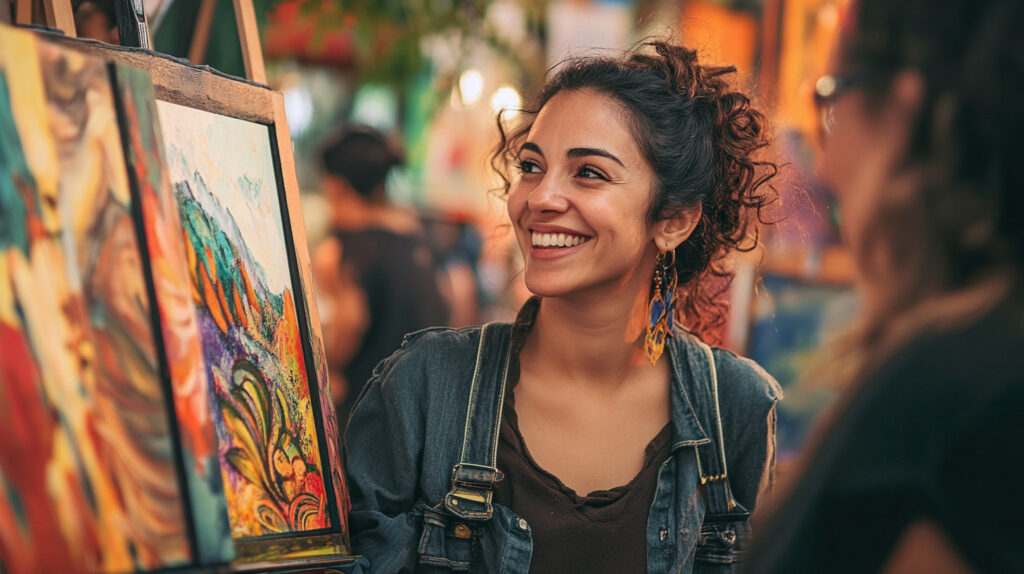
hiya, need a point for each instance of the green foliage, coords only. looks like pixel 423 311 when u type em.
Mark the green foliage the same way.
pixel 389 34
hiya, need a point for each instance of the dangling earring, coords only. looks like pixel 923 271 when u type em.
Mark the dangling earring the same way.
pixel 661 307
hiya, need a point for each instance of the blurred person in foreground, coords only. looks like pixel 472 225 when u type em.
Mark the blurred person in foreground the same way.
pixel 375 273
pixel 919 468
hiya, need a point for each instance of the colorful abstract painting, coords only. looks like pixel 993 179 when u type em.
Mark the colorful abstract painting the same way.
pixel 87 473
pixel 167 265
pixel 222 172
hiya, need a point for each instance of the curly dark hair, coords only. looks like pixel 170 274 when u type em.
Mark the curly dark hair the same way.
pixel 702 138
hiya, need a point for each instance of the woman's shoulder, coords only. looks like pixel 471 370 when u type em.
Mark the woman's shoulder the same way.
pixel 741 370
pixel 431 351
pixel 743 381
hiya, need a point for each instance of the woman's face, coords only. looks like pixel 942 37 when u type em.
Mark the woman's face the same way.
pixel 862 156
pixel 851 163
pixel 580 207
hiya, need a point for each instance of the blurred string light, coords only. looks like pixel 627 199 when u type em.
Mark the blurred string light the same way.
pixel 375 105
pixel 298 108
pixel 471 87
pixel 506 101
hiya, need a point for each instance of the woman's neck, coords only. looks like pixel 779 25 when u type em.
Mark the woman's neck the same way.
pixel 582 340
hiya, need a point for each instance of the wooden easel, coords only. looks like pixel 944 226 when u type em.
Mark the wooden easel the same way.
pixel 248 35
pixel 58 15
pixel 134 31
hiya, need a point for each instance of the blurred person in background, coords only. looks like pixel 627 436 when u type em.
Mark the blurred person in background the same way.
pixel 375 272
pixel 96 19
pixel 457 245
pixel 633 181
pixel 919 467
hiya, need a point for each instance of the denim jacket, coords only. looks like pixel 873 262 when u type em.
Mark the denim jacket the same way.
pixel 404 445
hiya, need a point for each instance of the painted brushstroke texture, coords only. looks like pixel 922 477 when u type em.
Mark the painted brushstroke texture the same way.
pixel 31 437
pixel 179 325
pixel 222 173
pixel 86 467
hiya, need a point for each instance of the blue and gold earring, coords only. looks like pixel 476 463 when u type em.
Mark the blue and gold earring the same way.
pixel 661 306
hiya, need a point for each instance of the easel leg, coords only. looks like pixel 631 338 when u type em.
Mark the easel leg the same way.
pixel 60 16
pixel 249 35
pixel 201 37
pixel 23 12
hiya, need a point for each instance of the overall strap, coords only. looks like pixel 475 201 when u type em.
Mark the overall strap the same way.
pixel 473 478
pixel 714 473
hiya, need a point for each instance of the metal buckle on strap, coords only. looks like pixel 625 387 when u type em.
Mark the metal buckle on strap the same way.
pixel 472 491
pixel 476 475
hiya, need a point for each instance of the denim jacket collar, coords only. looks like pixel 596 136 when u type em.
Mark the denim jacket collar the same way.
pixel 685 362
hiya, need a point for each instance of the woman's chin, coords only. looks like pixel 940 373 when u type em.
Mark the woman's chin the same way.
pixel 546 287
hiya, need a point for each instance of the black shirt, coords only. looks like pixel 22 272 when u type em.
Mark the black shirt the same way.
pixel 937 434
pixel 397 275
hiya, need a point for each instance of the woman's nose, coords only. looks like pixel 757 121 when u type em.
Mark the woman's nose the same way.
pixel 547 196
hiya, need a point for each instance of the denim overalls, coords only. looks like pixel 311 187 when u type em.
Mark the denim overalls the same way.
pixel 695 523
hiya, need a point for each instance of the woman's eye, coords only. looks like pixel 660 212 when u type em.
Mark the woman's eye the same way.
pixel 527 166
pixel 588 172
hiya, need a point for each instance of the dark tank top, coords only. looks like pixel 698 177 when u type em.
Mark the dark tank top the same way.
pixel 604 531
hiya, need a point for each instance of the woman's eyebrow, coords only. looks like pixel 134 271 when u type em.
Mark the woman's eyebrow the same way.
pixel 531 147
pixel 578 152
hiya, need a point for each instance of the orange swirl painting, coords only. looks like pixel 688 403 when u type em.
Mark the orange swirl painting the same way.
pixel 87 468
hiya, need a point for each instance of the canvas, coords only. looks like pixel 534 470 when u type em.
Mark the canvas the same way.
pixel 167 268
pixel 222 172
pixel 86 459
pixel 793 319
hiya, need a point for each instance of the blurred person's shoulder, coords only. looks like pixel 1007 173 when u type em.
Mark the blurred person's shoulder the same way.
pixel 957 365
pixel 397 220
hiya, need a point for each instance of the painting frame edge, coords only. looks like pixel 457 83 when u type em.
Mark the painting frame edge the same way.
pixel 123 126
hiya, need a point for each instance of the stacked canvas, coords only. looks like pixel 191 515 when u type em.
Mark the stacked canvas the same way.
pixel 162 396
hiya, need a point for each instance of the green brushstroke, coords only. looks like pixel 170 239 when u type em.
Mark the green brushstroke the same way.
pixel 14 173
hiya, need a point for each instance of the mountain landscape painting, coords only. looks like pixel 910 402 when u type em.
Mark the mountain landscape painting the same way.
pixel 222 174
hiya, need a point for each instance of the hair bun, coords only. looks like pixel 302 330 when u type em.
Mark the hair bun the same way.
pixel 687 76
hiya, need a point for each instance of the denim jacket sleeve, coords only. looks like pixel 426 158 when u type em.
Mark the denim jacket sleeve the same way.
pixel 380 463
pixel 748 399
pixel 387 444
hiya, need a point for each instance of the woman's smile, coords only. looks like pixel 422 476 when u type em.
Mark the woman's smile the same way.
pixel 556 240
pixel 582 198
pixel 549 242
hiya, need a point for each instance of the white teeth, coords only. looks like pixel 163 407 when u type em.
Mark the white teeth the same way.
pixel 556 240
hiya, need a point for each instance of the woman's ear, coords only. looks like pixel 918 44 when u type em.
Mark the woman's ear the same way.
pixel 900 110
pixel 670 232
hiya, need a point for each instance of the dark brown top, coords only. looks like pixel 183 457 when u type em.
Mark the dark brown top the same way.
pixel 604 531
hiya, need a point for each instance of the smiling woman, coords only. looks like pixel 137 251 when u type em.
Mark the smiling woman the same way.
pixel 583 448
